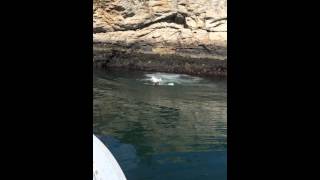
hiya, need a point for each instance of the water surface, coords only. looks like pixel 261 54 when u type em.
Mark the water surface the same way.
pixel 176 130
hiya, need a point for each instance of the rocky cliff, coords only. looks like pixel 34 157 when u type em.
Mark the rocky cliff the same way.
pixel 187 36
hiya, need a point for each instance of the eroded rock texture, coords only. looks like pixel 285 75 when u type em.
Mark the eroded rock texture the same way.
pixel 188 28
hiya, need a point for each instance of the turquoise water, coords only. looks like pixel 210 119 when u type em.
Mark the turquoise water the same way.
pixel 176 130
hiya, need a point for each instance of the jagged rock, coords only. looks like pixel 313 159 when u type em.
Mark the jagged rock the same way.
pixel 190 28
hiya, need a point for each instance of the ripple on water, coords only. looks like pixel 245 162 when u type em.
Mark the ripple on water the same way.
pixel 165 130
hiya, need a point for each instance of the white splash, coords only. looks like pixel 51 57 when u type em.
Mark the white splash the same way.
pixel 156 79
pixel 167 79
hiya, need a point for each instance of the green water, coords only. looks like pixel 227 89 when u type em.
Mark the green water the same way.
pixel 177 130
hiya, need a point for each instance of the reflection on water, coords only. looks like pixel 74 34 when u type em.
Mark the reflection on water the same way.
pixel 165 131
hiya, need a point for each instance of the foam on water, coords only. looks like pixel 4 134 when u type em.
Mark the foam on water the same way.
pixel 167 79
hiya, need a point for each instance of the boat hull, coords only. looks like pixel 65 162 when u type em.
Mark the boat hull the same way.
pixel 105 166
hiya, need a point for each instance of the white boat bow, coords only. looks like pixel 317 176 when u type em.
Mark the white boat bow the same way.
pixel 105 166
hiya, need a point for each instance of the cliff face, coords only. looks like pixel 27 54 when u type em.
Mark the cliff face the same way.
pixel 187 28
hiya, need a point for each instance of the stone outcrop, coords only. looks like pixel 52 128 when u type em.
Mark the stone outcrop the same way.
pixel 194 29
